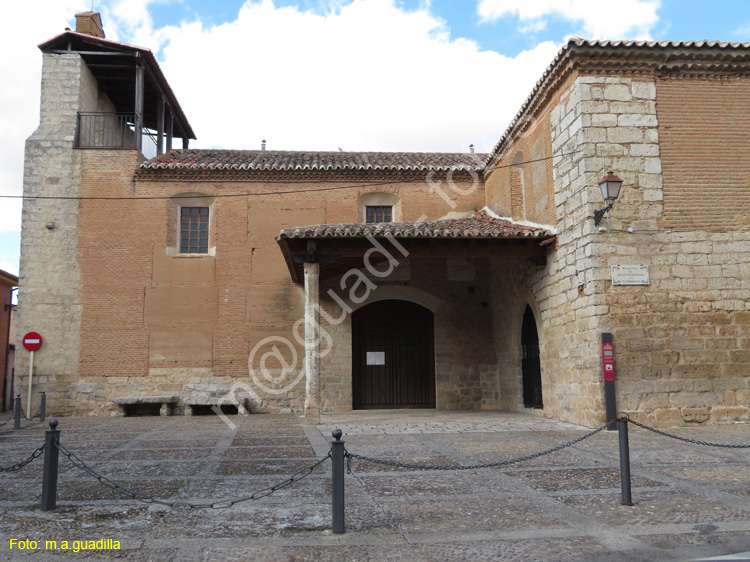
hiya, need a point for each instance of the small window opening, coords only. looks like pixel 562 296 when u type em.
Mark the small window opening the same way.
pixel 194 230
pixel 379 213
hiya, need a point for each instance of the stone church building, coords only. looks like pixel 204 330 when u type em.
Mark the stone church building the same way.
pixel 168 279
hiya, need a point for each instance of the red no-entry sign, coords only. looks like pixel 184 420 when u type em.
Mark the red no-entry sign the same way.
pixel 32 341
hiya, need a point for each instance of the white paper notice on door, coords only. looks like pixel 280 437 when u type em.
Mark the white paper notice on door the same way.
pixel 376 357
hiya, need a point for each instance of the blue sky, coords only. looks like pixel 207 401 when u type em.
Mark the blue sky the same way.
pixel 321 74
pixel 678 20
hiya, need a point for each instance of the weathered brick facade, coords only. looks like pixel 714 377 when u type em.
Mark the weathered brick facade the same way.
pixel 125 313
pixel 8 283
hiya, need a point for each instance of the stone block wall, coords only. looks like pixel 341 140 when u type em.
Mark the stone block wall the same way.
pixel 50 278
pixel 679 346
pixel 684 337
pixel 465 362
pixel 509 298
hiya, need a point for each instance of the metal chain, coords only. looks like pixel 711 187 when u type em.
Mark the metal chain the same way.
pixel 695 441
pixel 32 418
pixel 350 456
pixel 223 504
pixel 20 465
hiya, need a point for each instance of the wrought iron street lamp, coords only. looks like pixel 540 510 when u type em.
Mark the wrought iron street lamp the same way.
pixel 610 186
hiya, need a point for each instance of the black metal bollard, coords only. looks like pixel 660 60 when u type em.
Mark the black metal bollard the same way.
pixel 337 474
pixel 51 458
pixel 42 406
pixel 17 412
pixel 622 428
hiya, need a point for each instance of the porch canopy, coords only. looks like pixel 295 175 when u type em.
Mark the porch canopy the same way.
pixel 338 248
pixel 327 250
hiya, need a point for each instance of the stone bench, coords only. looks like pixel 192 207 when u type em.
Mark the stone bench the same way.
pixel 165 401
pixel 202 403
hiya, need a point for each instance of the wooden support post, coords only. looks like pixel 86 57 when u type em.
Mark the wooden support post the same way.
pixel 170 127
pixel 139 95
pixel 160 126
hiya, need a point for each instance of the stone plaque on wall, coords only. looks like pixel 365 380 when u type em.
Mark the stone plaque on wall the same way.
pixel 630 275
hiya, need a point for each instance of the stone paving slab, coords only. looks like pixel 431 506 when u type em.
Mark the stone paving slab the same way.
pixel 690 502
pixel 580 479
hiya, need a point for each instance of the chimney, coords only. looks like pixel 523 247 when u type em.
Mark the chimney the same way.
pixel 263 144
pixel 471 148
pixel 90 23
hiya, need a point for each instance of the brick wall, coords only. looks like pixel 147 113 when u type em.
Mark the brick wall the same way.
pixel 704 126
pixel 5 300
pixel 186 325
pixel 519 182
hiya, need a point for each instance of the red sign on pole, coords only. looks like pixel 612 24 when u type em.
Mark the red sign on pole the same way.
pixel 608 358
pixel 32 341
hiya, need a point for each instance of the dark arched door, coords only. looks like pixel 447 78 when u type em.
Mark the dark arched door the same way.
pixel 393 362
pixel 530 364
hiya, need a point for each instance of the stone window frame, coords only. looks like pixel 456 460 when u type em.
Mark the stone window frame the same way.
pixel 175 205
pixel 380 199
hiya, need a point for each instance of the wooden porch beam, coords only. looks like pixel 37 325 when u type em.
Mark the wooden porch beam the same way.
pixel 442 248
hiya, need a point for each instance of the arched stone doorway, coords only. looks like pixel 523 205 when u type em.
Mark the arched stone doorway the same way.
pixel 530 365
pixel 393 364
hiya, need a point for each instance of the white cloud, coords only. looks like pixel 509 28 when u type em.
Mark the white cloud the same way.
pixel 29 23
pixel 9 267
pixel 362 75
pixel 743 32
pixel 624 19
pixel 368 76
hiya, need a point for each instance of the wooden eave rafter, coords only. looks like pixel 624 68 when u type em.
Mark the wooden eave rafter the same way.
pixel 338 255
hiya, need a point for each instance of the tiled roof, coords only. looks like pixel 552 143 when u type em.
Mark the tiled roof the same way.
pixel 664 44
pixel 480 225
pixel 723 51
pixel 287 160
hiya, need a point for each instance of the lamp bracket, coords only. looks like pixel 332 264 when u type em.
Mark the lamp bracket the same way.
pixel 599 215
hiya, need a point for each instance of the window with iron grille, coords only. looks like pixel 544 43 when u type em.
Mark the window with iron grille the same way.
pixel 379 213
pixel 194 230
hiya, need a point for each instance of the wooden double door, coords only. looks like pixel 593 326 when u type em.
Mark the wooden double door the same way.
pixel 393 356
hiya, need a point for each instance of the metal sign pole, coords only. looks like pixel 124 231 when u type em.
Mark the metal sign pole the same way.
pixel 31 342
pixel 31 374
pixel 608 363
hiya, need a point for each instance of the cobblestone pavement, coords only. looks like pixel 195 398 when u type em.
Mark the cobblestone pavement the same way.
pixel 691 501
